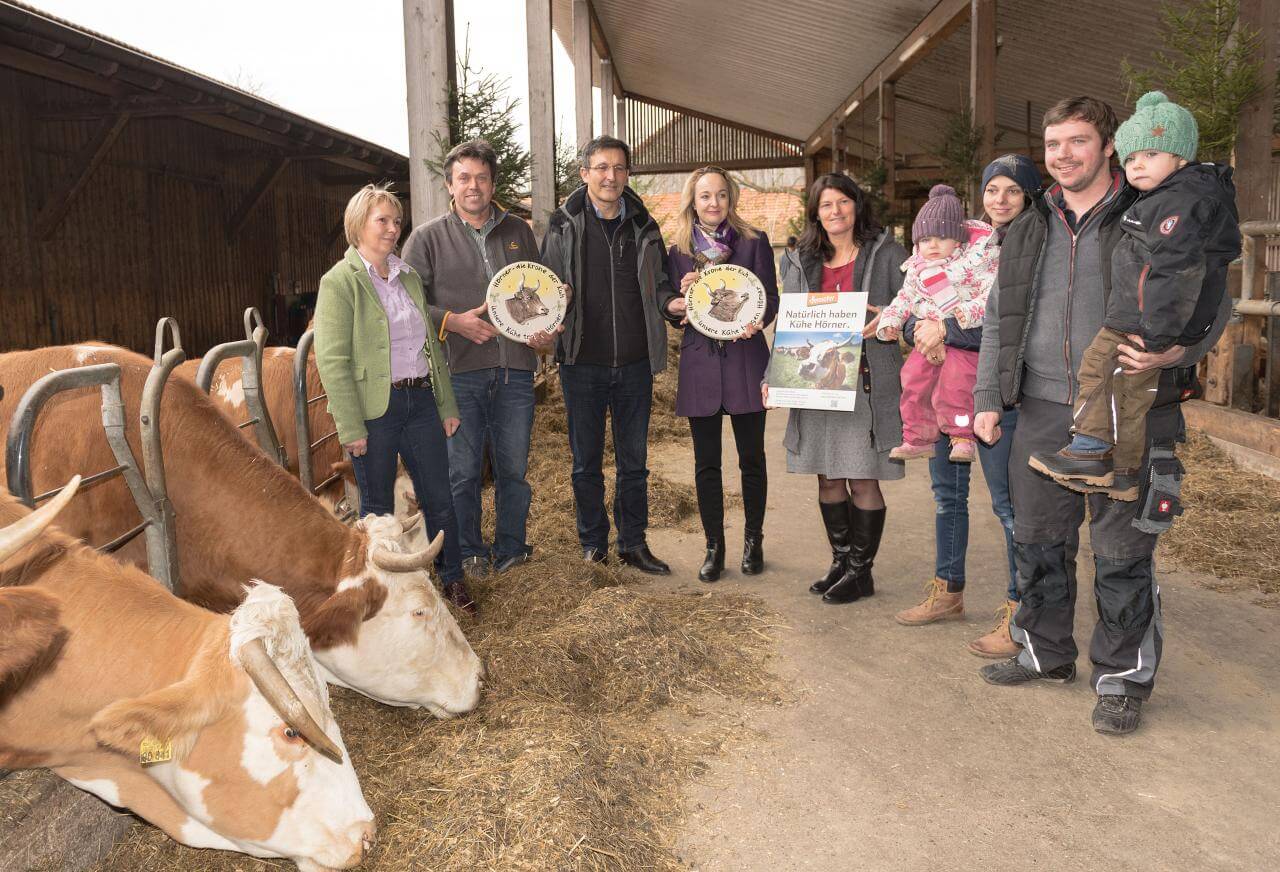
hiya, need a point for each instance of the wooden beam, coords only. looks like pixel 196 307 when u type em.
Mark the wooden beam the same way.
pixel 1253 165
pixel 606 96
pixel 951 110
pixel 935 27
pixel 255 196
pixel 427 65
pixel 716 119
pixel 1232 425
pixel 840 159
pixel 982 76
pixel 755 163
pixel 48 68
pixel 90 157
pixel 542 133
pixel 888 138
pixel 603 50
pixel 583 115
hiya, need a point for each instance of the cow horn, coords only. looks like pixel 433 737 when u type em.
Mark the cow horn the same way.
pixel 397 561
pixel 410 522
pixel 25 529
pixel 276 689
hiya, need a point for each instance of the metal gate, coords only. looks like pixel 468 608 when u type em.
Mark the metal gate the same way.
pixel 146 482
pixel 249 350
pixel 302 403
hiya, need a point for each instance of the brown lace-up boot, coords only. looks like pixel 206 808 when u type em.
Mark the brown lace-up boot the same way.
pixel 938 605
pixel 998 644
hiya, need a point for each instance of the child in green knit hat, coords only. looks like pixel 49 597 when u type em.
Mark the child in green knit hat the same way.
pixel 1168 277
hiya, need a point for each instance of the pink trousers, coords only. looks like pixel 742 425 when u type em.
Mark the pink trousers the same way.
pixel 938 397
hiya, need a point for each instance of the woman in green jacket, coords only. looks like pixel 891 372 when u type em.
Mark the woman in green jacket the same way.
pixel 385 376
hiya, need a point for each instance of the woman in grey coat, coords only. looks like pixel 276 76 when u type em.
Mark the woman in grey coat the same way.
pixel 844 248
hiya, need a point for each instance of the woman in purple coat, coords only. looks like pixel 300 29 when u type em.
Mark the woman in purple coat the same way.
pixel 722 377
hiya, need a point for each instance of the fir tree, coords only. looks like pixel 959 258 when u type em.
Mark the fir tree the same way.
pixel 1208 64
pixel 485 111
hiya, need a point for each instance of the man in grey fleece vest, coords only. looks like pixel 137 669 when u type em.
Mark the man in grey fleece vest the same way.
pixel 1047 305
pixel 457 254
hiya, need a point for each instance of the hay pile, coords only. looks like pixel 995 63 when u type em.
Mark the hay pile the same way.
pixel 569 762
pixel 1231 526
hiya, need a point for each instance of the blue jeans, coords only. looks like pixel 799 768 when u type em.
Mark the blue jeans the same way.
pixel 411 431
pixel 626 393
pixel 951 493
pixel 496 408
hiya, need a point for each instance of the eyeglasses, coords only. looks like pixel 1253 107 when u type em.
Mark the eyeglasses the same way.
pixel 601 169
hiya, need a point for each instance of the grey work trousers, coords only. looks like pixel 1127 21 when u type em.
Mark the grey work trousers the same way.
pixel 1127 638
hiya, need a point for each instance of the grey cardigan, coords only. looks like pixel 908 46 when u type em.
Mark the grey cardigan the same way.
pixel 881 279
pixel 455 278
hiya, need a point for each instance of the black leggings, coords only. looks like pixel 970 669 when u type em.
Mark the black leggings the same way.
pixel 748 433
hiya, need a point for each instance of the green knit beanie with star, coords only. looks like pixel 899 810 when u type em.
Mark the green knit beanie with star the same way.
pixel 1158 124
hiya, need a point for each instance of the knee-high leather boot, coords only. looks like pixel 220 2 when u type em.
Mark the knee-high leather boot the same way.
pixel 835 516
pixel 857 583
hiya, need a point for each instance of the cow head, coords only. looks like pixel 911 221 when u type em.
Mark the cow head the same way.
pixel 257 762
pixel 822 358
pixel 386 631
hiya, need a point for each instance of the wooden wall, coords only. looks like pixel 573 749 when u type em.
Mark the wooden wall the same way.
pixel 147 236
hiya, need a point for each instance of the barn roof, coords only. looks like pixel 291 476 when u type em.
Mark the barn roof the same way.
pixel 128 80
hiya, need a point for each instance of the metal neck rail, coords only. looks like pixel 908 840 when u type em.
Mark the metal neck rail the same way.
pixel 302 404
pixel 146 487
pixel 249 350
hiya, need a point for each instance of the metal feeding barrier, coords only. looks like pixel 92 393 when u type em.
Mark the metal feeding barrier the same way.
pixel 146 482
pixel 249 350
pixel 302 403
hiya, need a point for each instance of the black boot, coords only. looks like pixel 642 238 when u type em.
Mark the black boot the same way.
pixel 714 564
pixel 753 554
pixel 835 516
pixel 857 583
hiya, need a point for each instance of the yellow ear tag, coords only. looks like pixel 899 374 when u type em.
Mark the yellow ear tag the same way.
pixel 155 751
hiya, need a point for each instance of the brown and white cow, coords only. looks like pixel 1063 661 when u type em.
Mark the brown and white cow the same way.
pixel 825 363
pixel 248 756
pixel 227 392
pixel 375 621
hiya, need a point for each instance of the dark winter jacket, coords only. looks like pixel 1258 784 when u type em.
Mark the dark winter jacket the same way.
pixel 562 252
pixel 715 375
pixel 1049 299
pixel 1169 269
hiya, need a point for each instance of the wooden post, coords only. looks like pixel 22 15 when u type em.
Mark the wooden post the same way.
pixel 1253 142
pixel 887 140
pixel 982 78
pixel 620 129
pixel 542 132
pixel 606 96
pixel 427 64
pixel 582 71
pixel 839 157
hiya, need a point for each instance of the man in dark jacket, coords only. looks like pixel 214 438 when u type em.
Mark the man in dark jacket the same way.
pixel 1047 306
pixel 605 246
pixel 457 254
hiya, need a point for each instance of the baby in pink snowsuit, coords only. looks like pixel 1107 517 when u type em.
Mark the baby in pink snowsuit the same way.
pixel 948 276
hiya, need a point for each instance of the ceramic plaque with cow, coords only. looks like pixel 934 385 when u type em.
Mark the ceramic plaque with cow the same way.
pixel 374 618
pixel 215 728
pixel 525 298
pixel 724 300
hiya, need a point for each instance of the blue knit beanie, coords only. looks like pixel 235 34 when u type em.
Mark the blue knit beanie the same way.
pixel 1018 167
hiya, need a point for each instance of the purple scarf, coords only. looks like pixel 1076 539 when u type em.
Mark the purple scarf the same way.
pixel 713 249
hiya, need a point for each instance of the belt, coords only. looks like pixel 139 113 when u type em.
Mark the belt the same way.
pixel 421 381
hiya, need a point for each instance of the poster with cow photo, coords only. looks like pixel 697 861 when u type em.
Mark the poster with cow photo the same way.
pixel 817 350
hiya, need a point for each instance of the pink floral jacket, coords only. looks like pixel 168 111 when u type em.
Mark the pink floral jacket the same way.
pixel 954 287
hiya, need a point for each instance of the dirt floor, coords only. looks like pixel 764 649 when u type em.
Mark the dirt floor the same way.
pixel 896 756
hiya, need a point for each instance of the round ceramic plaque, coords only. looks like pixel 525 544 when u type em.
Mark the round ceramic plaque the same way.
pixel 525 297
pixel 724 300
